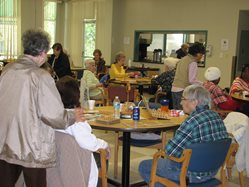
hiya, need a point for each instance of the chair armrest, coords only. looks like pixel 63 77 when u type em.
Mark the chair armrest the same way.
pixel 156 156
pixel 103 169
pixel 184 159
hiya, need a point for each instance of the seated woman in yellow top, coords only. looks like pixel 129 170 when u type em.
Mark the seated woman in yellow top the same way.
pixel 117 68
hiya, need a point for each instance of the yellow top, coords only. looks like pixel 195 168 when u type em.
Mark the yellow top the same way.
pixel 117 72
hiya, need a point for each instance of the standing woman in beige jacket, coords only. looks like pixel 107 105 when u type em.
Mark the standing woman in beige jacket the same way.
pixel 30 108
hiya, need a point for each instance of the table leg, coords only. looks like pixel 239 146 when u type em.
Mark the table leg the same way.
pixel 126 159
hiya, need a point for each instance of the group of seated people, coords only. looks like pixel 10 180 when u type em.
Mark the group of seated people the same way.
pixel 195 101
pixel 95 75
pixel 221 98
pixel 35 110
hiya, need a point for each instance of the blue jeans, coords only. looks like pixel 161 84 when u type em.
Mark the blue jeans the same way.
pixel 168 169
pixel 165 168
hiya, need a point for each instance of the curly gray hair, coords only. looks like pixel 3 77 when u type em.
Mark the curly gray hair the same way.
pixel 35 42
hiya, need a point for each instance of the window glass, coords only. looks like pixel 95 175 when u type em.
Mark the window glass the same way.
pixel 50 20
pixel 173 42
pixel 89 38
pixel 8 29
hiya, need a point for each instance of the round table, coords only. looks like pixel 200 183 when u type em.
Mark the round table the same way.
pixel 147 123
pixel 240 97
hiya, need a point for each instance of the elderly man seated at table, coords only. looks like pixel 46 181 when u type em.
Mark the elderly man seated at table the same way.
pixel 117 68
pixel 220 99
pixel 241 83
pixel 90 81
pixel 202 125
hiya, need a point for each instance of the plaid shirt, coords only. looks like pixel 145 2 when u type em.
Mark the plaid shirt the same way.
pixel 216 92
pixel 202 125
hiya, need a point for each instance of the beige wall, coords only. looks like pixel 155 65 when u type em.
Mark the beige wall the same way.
pixel 219 18
pixel 118 19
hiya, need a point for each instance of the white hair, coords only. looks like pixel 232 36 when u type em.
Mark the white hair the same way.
pixel 88 62
pixel 171 62
pixel 199 93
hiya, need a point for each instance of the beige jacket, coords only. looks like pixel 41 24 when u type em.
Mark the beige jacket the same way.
pixel 30 108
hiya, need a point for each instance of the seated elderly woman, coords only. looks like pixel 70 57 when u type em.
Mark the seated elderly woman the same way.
pixel 202 125
pixel 90 81
pixel 241 83
pixel 166 79
pixel 117 68
pixel 220 99
pixel 81 131
pixel 99 63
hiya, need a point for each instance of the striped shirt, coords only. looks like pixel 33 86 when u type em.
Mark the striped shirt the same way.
pixel 239 85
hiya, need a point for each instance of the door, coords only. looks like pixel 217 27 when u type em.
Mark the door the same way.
pixel 244 49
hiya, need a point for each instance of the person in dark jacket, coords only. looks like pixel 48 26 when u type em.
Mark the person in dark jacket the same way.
pixel 59 61
pixel 183 51
pixel 99 63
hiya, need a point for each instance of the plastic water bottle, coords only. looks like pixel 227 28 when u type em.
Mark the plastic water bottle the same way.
pixel 116 106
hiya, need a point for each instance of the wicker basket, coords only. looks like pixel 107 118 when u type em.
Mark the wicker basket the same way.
pixel 159 114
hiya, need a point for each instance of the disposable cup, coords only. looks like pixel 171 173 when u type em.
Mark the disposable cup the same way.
pixel 91 104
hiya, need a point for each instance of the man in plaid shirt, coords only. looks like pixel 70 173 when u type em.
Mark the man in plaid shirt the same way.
pixel 202 125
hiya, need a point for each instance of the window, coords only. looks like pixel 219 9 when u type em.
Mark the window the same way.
pixel 8 29
pixel 149 43
pixel 50 19
pixel 89 38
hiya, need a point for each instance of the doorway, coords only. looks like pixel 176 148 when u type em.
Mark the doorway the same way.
pixel 244 49
pixel 242 44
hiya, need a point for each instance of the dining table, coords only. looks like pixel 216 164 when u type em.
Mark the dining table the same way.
pixel 138 81
pixel 146 124
pixel 132 81
pixel 240 97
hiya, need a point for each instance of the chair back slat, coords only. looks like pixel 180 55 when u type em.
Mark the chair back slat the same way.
pixel 121 91
pixel 208 152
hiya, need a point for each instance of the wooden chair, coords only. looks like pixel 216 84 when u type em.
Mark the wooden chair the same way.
pixel 230 163
pixel 73 163
pixel 85 96
pixel 184 159
pixel 236 123
pixel 125 92
pixel 197 157
pixel 103 169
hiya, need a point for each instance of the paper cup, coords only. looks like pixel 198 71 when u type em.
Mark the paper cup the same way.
pixel 121 107
pixel 91 104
